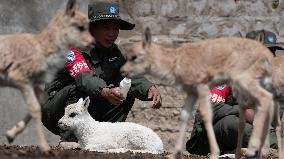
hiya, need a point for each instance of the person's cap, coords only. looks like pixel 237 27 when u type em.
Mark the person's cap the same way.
pixel 267 38
pixel 99 10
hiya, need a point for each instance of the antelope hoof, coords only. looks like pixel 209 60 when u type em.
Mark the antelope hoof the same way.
pixel 175 155
pixel 251 154
pixel 45 148
pixel 9 138
pixel 170 156
pixel 214 156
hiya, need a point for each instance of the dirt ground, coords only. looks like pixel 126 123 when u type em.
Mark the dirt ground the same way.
pixel 32 152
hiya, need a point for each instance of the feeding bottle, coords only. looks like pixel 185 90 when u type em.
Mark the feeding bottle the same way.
pixel 124 86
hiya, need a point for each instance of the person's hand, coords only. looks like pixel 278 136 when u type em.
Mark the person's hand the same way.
pixel 249 115
pixel 112 95
pixel 154 95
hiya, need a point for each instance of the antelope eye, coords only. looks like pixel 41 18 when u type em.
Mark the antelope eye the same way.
pixel 139 59
pixel 80 28
pixel 72 115
pixel 133 58
pixel 136 59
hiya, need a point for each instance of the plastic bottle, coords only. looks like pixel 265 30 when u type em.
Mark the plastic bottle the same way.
pixel 124 86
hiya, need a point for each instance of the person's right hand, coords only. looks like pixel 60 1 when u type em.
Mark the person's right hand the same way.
pixel 249 115
pixel 112 95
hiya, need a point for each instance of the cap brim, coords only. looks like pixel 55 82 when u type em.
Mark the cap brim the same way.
pixel 123 25
pixel 278 46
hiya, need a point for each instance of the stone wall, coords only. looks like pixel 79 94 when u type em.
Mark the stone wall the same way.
pixel 172 21
pixel 207 18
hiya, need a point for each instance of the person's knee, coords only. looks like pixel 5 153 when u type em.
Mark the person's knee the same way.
pixel 45 115
pixel 198 145
pixel 227 125
pixel 52 111
pixel 227 129
pixel 48 119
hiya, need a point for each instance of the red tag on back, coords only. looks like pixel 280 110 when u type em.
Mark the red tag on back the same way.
pixel 219 94
pixel 75 63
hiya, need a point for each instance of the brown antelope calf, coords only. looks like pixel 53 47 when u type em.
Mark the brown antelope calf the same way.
pixel 27 61
pixel 194 66
pixel 278 82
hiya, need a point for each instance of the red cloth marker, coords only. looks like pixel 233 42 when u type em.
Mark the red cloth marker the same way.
pixel 219 94
pixel 75 63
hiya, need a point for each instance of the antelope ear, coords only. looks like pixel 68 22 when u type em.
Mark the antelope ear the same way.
pixel 239 34
pixel 71 7
pixel 147 37
pixel 86 102
pixel 80 101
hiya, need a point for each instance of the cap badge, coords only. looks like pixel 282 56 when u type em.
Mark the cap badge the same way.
pixel 271 39
pixel 112 9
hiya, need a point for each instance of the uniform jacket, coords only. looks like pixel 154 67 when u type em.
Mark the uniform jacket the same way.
pixel 90 72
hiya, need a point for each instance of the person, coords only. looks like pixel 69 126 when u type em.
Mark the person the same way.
pixel 226 112
pixel 97 74
pixel 267 38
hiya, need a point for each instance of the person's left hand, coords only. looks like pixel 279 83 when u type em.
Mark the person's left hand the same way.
pixel 154 95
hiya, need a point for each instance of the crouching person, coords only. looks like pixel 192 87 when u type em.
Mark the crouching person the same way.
pixel 226 111
pixel 97 74
pixel 225 124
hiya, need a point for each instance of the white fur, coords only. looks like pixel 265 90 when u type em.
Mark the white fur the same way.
pixel 107 136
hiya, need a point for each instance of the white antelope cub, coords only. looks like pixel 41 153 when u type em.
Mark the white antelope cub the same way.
pixel 106 136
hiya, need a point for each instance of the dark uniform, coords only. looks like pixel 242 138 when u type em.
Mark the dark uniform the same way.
pixel 105 64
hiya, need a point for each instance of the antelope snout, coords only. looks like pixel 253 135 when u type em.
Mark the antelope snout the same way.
pixel 61 124
pixel 123 73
